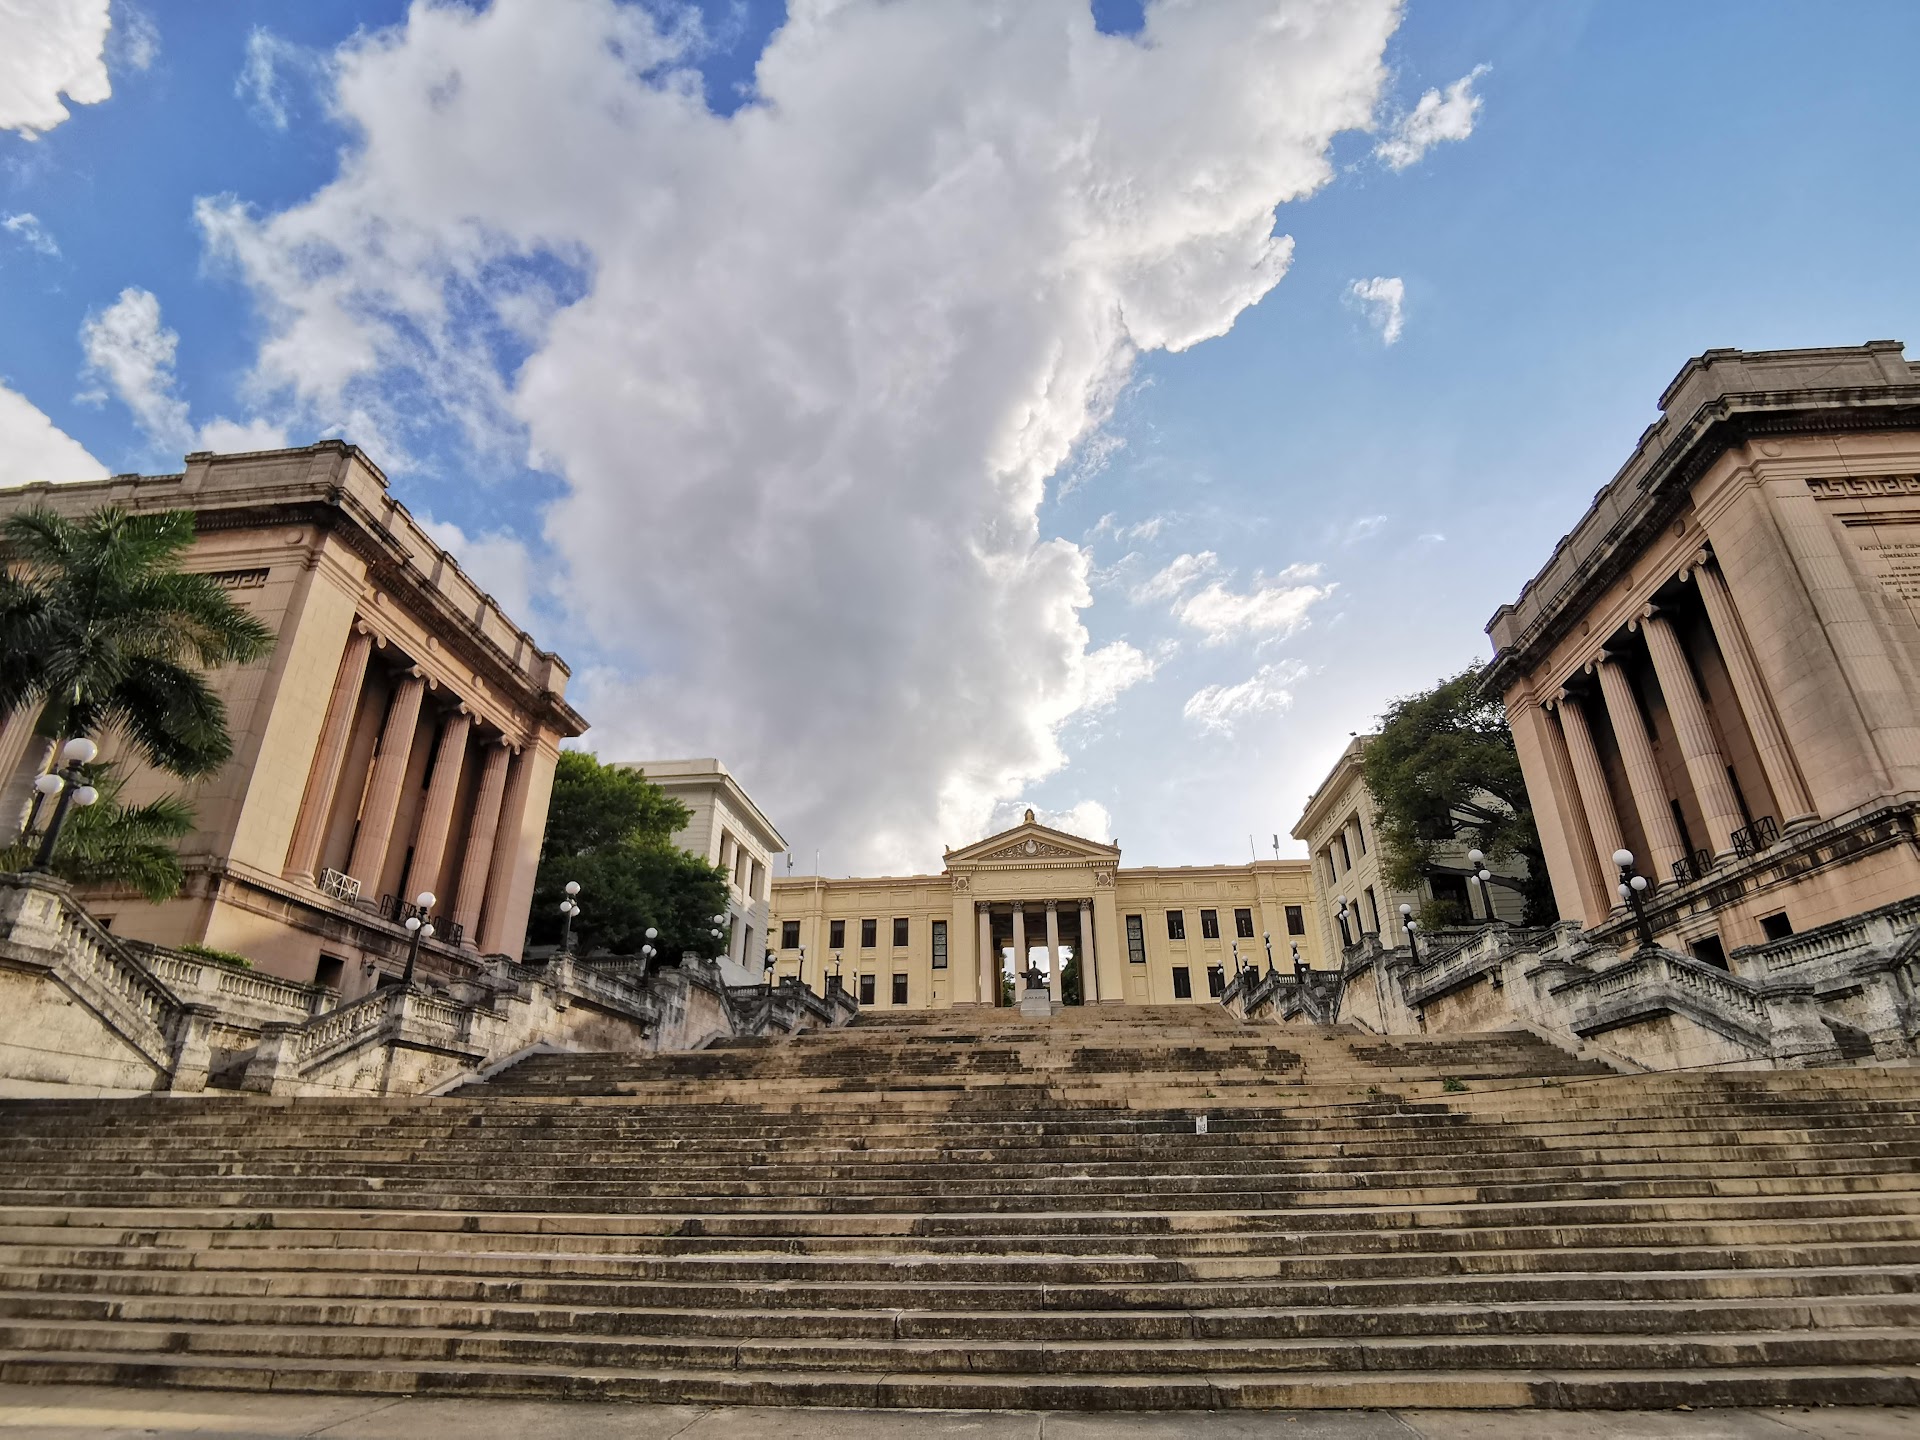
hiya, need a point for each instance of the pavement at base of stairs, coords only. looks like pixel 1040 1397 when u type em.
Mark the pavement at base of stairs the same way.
pixel 89 1412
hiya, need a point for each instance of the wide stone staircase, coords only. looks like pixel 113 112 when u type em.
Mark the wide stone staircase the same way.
pixel 1118 1208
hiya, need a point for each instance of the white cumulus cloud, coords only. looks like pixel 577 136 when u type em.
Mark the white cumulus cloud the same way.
pixel 1176 576
pixel 1272 609
pixel 33 448
pixel 1438 116
pixel 1222 709
pixel 50 48
pixel 231 437
pixel 806 370
pixel 27 229
pixel 497 562
pixel 1382 300
pixel 1088 819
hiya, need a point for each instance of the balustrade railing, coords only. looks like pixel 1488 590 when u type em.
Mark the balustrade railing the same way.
pixel 349 1022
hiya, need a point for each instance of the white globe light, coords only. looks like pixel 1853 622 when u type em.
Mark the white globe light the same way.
pixel 424 900
pixel 79 751
pixel 1623 858
pixel 49 784
pixel 1639 882
pixel 1625 894
pixel 1474 857
pixel 413 922
pixel 652 934
pixel 573 887
pixel 426 932
pixel 566 907
pixel 85 796
pixel 1406 909
pixel 719 919
pixel 1484 876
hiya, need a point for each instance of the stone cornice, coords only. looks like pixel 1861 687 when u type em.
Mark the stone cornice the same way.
pixel 1718 402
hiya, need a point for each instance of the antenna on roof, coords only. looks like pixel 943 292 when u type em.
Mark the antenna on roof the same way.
pixel 1276 847
pixel 1252 854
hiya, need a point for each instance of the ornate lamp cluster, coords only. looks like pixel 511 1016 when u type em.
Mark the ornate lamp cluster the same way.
pixel 69 784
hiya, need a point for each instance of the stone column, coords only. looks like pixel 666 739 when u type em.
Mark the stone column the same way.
pixel 436 817
pixel 1088 957
pixel 1706 766
pixel 1756 704
pixel 389 773
pixel 471 889
pixel 1053 950
pixel 21 761
pixel 1591 781
pixel 1019 950
pixel 1643 771
pixel 989 995
pixel 323 777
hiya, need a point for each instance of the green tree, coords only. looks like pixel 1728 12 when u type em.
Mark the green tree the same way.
pixel 104 633
pixel 109 843
pixel 1443 772
pixel 612 830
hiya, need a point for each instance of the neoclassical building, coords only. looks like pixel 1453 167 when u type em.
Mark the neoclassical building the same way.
pixel 401 736
pixel 1352 898
pixel 1719 668
pixel 726 829
pixel 1153 935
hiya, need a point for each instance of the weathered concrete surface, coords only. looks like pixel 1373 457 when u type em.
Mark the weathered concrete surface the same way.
pixel 69 1412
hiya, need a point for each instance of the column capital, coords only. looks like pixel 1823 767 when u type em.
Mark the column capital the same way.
pixel 1019 907
pixel 983 907
pixel 1052 905
pixel 1086 902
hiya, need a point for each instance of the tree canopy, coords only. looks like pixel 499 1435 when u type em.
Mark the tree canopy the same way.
pixel 1443 772
pixel 108 843
pixel 612 831
pixel 102 630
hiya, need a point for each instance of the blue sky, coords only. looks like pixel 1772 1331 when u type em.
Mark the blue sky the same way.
pixel 815 576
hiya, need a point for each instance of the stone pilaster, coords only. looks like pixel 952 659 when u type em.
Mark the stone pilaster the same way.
pixel 989 992
pixel 436 818
pixel 1089 957
pixel 1019 949
pixel 389 773
pixel 1591 781
pixel 1706 765
pixel 1756 704
pixel 1643 771
pixel 471 891
pixel 323 777
pixel 1053 950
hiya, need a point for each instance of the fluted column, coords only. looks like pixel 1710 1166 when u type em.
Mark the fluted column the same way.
pixel 389 773
pixel 1756 704
pixel 436 817
pixel 1089 961
pixel 1590 779
pixel 988 994
pixel 1706 765
pixel 1053 950
pixel 471 891
pixel 323 777
pixel 1643 771
pixel 1019 950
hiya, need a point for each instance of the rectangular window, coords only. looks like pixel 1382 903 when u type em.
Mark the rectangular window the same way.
pixel 1243 924
pixel 328 974
pixel 1361 831
pixel 1296 920
pixel 869 934
pixel 1176 924
pixel 1346 855
pixel 1182 983
pixel 1209 924
pixel 1136 941
pixel 836 934
pixel 1216 981
pixel 789 934
pixel 1373 908
pixel 899 989
pixel 899 930
pixel 939 944
pixel 866 989
pixel 1776 927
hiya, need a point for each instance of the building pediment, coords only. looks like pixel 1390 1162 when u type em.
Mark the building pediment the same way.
pixel 1030 842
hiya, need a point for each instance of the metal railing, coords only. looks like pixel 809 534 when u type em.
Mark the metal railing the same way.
pixel 1689 868
pixel 339 886
pixel 399 911
pixel 1752 839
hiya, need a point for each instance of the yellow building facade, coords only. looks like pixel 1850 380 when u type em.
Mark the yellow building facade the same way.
pixel 1035 898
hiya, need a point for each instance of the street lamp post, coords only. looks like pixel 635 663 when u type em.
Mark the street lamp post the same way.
pixel 1631 888
pixel 1346 935
pixel 419 928
pixel 647 952
pixel 1411 926
pixel 766 971
pixel 1268 937
pixel 569 907
pixel 78 753
pixel 1297 966
pixel 716 932
pixel 1478 860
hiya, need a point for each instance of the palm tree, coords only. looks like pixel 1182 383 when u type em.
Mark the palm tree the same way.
pixel 107 843
pixel 102 630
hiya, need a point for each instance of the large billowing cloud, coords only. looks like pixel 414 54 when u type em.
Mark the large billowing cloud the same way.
pixel 806 369
pixel 33 448
pixel 50 49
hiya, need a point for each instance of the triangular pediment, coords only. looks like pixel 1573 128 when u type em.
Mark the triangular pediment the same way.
pixel 1031 842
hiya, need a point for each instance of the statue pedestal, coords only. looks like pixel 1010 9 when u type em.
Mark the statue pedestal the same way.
pixel 1037 1002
